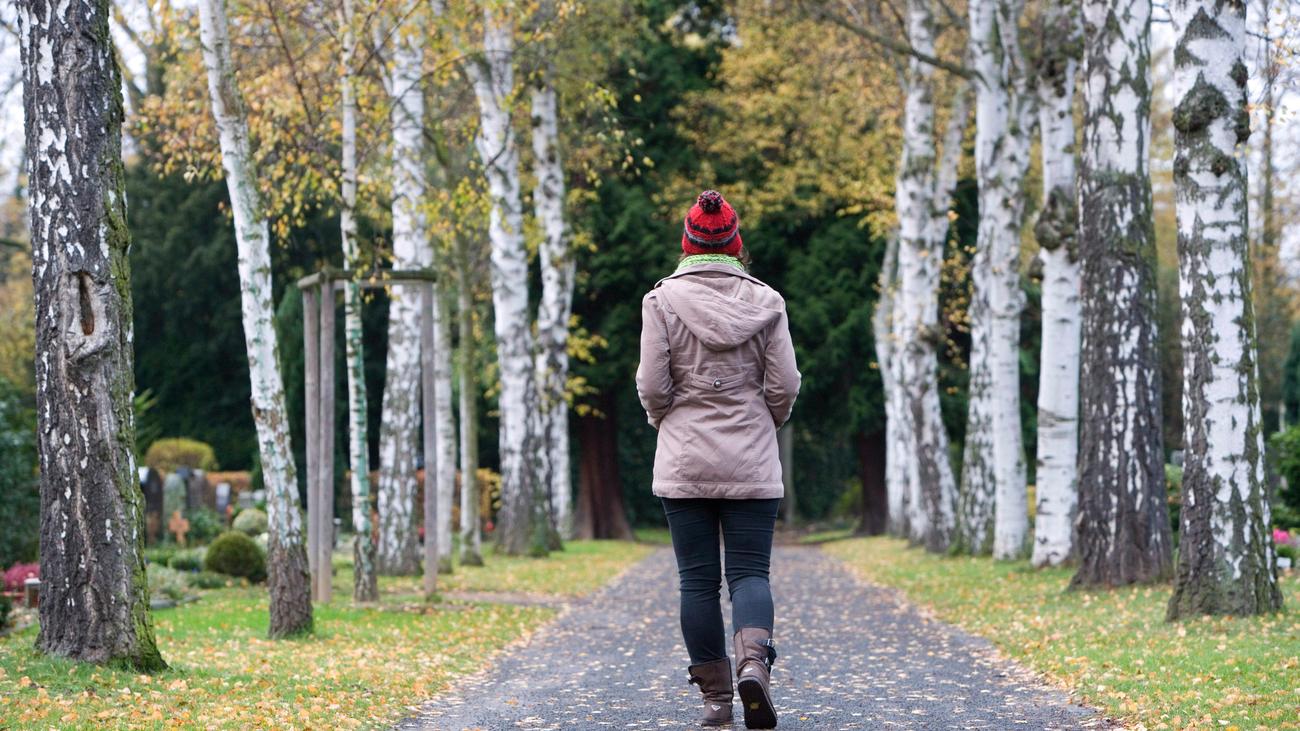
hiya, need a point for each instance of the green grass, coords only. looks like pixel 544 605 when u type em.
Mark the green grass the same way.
pixel 1113 649
pixel 361 668
pixel 657 536
pixel 826 536
pixel 582 567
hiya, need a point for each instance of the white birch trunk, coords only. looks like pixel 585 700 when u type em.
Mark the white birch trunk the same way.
pixel 913 188
pixel 882 318
pixel 444 425
pixel 1002 125
pixel 1122 531
pixel 1058 390
pixel 938 485
pixel 978 479
pixel 921 199
pixel 399 546
pixel 1225 558
pixel 289 579
pixel 364 587
pixel 471 537
pixel 916 511
pixel 522 526
pixel 558 268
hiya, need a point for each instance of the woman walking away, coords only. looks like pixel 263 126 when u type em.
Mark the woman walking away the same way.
pixel 717 379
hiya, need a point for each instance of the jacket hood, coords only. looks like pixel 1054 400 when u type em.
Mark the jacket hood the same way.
pixel 720 321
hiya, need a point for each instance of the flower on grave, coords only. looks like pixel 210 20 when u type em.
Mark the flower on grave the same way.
pixel 18 574
pixel 1281 537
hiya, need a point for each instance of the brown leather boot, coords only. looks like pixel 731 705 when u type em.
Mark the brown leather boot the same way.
pixel 755 653
pixel 714 679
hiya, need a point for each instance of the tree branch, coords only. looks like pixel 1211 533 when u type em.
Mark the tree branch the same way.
pixel 894 45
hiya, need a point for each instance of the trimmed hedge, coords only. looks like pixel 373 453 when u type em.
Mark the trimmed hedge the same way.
pixel 166 455
pixel 235 554
pixel 250 521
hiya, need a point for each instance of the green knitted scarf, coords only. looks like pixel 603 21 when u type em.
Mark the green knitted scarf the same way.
pixel 696 259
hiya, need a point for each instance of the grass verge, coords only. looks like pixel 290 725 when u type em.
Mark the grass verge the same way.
pixel 1112 648
pixel 361 669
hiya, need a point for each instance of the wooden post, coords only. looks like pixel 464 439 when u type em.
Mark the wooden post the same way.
pixel 311 397
pixel 318 336
pixel 325 468
pixel 430 453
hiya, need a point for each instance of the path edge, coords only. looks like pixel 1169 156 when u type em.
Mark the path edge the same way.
pixel 995 653
pixel 417 713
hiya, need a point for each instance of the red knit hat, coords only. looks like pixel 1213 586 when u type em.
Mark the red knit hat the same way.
pixel 712 226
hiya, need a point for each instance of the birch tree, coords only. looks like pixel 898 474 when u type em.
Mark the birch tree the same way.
pixel 977 499
pixel 1225 558
pixel 523 526
pixel 1123 526
pixel 399 548
pixel 922 193
pixel 470 536
pixel 364 586
pixel 920 485
pixel 95 599
pixel 558 268
pixel 287 569
pixel 1058 391
pixel 882 318
pixel 444 423
pixel 1003 119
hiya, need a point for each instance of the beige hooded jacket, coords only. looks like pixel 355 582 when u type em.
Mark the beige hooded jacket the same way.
pixel 717 379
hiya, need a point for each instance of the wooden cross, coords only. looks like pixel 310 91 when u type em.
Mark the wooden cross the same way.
pixel 178 525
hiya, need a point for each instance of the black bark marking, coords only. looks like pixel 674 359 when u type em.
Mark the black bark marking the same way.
pixel 1201 106
pixel 1202 26
pixel 85 299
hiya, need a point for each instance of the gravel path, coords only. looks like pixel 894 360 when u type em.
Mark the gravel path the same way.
pixel 853 656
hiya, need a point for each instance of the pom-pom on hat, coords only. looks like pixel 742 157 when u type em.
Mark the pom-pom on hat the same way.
pixel 712 226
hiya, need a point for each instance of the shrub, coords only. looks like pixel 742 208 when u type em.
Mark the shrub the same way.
pixel 251 521
pixel 205 525
pixel 207 580
pixel 160 555
pixel 1286 446
pixel 1290 552
pixel 6 606
pixel 19 573
pixel 187 559
pixel 165 582
pixel 235 554
pixel 166 455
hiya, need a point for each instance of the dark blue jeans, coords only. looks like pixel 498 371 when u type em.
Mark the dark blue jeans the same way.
pixel 746 527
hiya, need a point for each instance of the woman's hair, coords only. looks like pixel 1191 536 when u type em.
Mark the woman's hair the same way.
pixel 742 255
